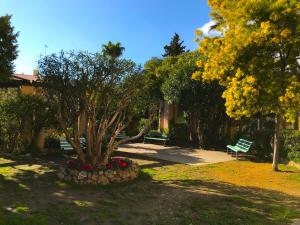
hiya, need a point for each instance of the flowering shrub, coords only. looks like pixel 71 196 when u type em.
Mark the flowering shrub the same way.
pixel 118 163
pixel 122 164
pixel 109 166
pixel 75 164
pixel 86 167
pixel 72 164
pixel 117 159
pixel 114 163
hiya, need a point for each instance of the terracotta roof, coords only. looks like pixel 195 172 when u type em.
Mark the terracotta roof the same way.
pixel 24 77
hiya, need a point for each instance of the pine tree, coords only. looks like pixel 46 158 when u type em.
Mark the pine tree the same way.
pixel 8 47
pixel 175 48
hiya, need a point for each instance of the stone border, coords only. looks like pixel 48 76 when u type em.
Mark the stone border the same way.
pixel 103 177
pixel 294 164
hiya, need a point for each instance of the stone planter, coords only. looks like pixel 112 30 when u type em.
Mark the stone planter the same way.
pixel 103 176
pixel 294 164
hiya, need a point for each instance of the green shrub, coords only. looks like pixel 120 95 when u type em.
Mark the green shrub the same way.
pixel 52 142
pixel 166 131
pixel 21 119
pixel 261 138
pixel 290 145
pixel 261 147
pixel 11 136
pixel 136 125
pixel 155 133
pixel 179 133
pixel 294 156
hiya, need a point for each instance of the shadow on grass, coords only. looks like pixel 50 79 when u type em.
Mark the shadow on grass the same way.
pixel 32 198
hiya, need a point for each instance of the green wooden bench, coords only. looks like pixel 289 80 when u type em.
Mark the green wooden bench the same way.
pixel 82 142
pixel 241 146
pixel 121 135
pixel 156 136
pixel 65 146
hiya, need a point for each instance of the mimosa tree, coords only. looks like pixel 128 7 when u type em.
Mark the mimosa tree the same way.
pixel 256 58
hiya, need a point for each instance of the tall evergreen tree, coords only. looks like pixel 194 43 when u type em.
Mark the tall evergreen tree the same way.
pixel 175 48
pixel 8 47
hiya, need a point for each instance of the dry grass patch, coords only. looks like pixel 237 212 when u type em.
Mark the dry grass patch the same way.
pixel 260 175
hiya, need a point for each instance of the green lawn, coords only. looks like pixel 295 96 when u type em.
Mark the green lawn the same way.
pixel 237 192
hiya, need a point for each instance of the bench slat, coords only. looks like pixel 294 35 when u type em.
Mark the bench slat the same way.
pixel 242 145
pixel 156 136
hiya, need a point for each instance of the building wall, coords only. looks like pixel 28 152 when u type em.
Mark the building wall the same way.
pixel 7 93
pixel 28 90
pixel 168 112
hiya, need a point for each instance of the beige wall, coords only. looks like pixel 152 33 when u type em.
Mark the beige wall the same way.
pixel 28 90
pixel 168 113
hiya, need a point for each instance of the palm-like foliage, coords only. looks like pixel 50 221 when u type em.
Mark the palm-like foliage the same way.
pixel 113 50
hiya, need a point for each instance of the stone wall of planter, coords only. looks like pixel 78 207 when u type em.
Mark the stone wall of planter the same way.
pixel 294 164
pixel 105 176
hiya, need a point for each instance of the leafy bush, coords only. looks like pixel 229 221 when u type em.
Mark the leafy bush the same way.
pixel 52 142
pixel 11 135
pixel 21 119
pixel 154 133
pixel 179 133
pixel 136 125
pixel 290 145
pixel 262 138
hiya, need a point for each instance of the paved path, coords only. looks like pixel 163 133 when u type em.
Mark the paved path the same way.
pixel 176 154
pixel 297 222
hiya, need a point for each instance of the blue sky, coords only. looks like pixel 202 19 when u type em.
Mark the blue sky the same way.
pixel 142 26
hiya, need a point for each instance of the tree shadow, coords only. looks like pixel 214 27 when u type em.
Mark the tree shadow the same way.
pixel 145 201
pixel 154 161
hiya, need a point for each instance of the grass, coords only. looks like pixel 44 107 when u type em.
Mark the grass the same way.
pixel 236 192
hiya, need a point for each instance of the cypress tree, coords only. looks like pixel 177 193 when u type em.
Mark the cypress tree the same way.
pixel 8 47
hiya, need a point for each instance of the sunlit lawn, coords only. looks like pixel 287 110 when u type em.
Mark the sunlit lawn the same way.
pixel 237 192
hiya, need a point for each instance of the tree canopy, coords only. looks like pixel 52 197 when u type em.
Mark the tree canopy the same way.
pixel 175 47
pixel 8 47
pixel 256 58
pixel 113 50
pixel 94 94
pixel 200 102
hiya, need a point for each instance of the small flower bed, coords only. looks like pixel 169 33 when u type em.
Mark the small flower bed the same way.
pixel 118 163
pixel 114 163
pixel 118 169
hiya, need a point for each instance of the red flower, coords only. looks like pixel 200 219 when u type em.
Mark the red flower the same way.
pixel 71 163
pixel 122 164
pixel 117 159
pixel 86 167
pixel 109 166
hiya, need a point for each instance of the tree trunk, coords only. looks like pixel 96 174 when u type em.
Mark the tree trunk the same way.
pixel 82 157
pixel 276 142
pixel 258 123
pixel 160 116
pixel 94 159
pixel 200 134
pixel 40 139
pixel 296 123
pixel 193 126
